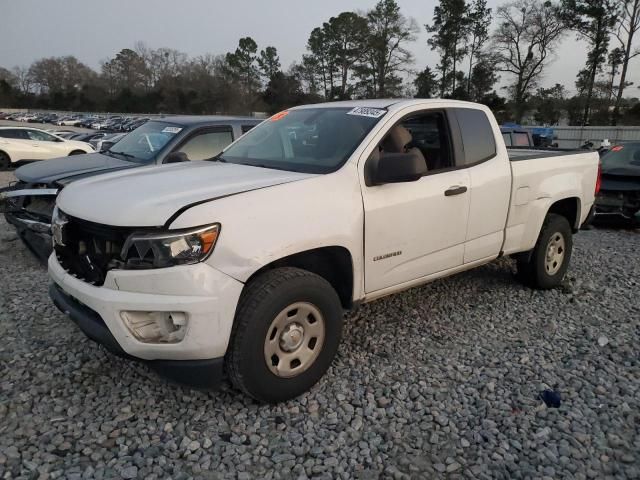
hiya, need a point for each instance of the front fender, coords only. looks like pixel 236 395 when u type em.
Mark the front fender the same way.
pixel 265 225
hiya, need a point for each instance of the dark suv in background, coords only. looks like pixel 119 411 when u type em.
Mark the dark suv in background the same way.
pixel 28 204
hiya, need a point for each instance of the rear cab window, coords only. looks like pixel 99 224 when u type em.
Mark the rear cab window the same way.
pixel 478 140
pixel 521 139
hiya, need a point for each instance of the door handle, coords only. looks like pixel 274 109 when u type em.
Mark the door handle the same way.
pixel 455 191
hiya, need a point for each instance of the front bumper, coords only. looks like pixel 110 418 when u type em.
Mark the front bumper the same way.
pixel 206 296
pixel 205 374
pixel 32 225
pixel 34 233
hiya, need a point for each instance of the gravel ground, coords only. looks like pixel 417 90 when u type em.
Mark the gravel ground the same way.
pixel 437 382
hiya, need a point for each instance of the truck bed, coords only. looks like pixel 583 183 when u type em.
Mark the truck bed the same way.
pixel 536 185
pixel 527 153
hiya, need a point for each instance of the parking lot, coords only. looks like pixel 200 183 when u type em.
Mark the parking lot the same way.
pixel 441 381
pixel 12 123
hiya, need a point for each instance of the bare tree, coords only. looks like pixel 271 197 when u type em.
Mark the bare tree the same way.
pixel 480 20
pixel 527 35
pixel 628 25
pixel 24 79
pixel 386 54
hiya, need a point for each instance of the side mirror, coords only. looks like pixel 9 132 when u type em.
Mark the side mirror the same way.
pixel 106 145
pixel 176 157
pixel 399 167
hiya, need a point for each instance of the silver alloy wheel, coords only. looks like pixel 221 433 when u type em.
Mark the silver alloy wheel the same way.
pixel 555 253
pixel 294 340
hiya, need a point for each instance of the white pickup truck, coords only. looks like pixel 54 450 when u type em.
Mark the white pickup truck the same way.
pixel 245 264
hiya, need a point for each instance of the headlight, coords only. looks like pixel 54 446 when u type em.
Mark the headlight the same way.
pixel 160 250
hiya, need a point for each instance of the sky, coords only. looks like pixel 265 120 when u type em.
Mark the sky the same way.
pixel 96 30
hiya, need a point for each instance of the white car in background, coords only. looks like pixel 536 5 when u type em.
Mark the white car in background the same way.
pixel 68 122
pixel 25 117
pixel 23 143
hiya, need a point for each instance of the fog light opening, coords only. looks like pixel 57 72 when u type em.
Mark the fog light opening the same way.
pixel 156 327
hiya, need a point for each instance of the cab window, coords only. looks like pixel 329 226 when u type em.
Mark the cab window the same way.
pixel 206 145
pixel 478 139
pixel 425 133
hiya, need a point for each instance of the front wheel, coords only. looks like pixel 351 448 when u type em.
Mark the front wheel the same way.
pixel 286 333
pixel 77 152
pixel 546 266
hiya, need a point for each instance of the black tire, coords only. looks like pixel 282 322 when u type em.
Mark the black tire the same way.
pixel 263 299
pixel 533 271
pixel 77 152
pixel 5 161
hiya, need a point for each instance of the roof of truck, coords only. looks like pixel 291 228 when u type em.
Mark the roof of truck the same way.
pixel 386 103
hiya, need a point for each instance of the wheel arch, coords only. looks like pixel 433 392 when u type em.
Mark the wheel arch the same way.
pixel 569 208
pixel 333 263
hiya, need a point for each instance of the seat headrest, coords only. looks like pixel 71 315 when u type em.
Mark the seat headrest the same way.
pixel 397 139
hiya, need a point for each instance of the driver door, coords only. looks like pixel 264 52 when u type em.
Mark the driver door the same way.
pixel 416 229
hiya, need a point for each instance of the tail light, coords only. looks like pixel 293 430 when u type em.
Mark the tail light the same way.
pixel 598 180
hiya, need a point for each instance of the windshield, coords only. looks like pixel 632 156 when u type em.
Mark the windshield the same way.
pixel 143 144
pixel 314 140
pixel 622 160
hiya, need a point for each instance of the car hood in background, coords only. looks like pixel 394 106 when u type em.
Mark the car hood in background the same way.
pixel 62 168
pixel 148 197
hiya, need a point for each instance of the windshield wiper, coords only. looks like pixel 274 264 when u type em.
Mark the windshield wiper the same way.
pixel 217 158
pixel 124 154
pixel 262 165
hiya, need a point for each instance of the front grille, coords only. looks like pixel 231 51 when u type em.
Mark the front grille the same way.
pixel 89 250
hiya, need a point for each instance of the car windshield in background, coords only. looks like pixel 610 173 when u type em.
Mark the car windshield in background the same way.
pixel 622 160
pixel 314 140
pixel 145 142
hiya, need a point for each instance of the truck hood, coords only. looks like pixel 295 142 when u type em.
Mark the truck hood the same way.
pixel 150 197
pixel 64 168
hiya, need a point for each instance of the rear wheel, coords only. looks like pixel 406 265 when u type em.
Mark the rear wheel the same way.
pixel 5 161
pixel 285 336
pixel 546 266
pixel 77 152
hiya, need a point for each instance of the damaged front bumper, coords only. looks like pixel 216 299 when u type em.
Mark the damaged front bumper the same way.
pixel 205 298
pixel 203 374
pixel 29 211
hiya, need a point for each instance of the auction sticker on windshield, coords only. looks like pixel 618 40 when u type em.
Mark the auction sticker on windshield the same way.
pixel 171 130
pixel 367 112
